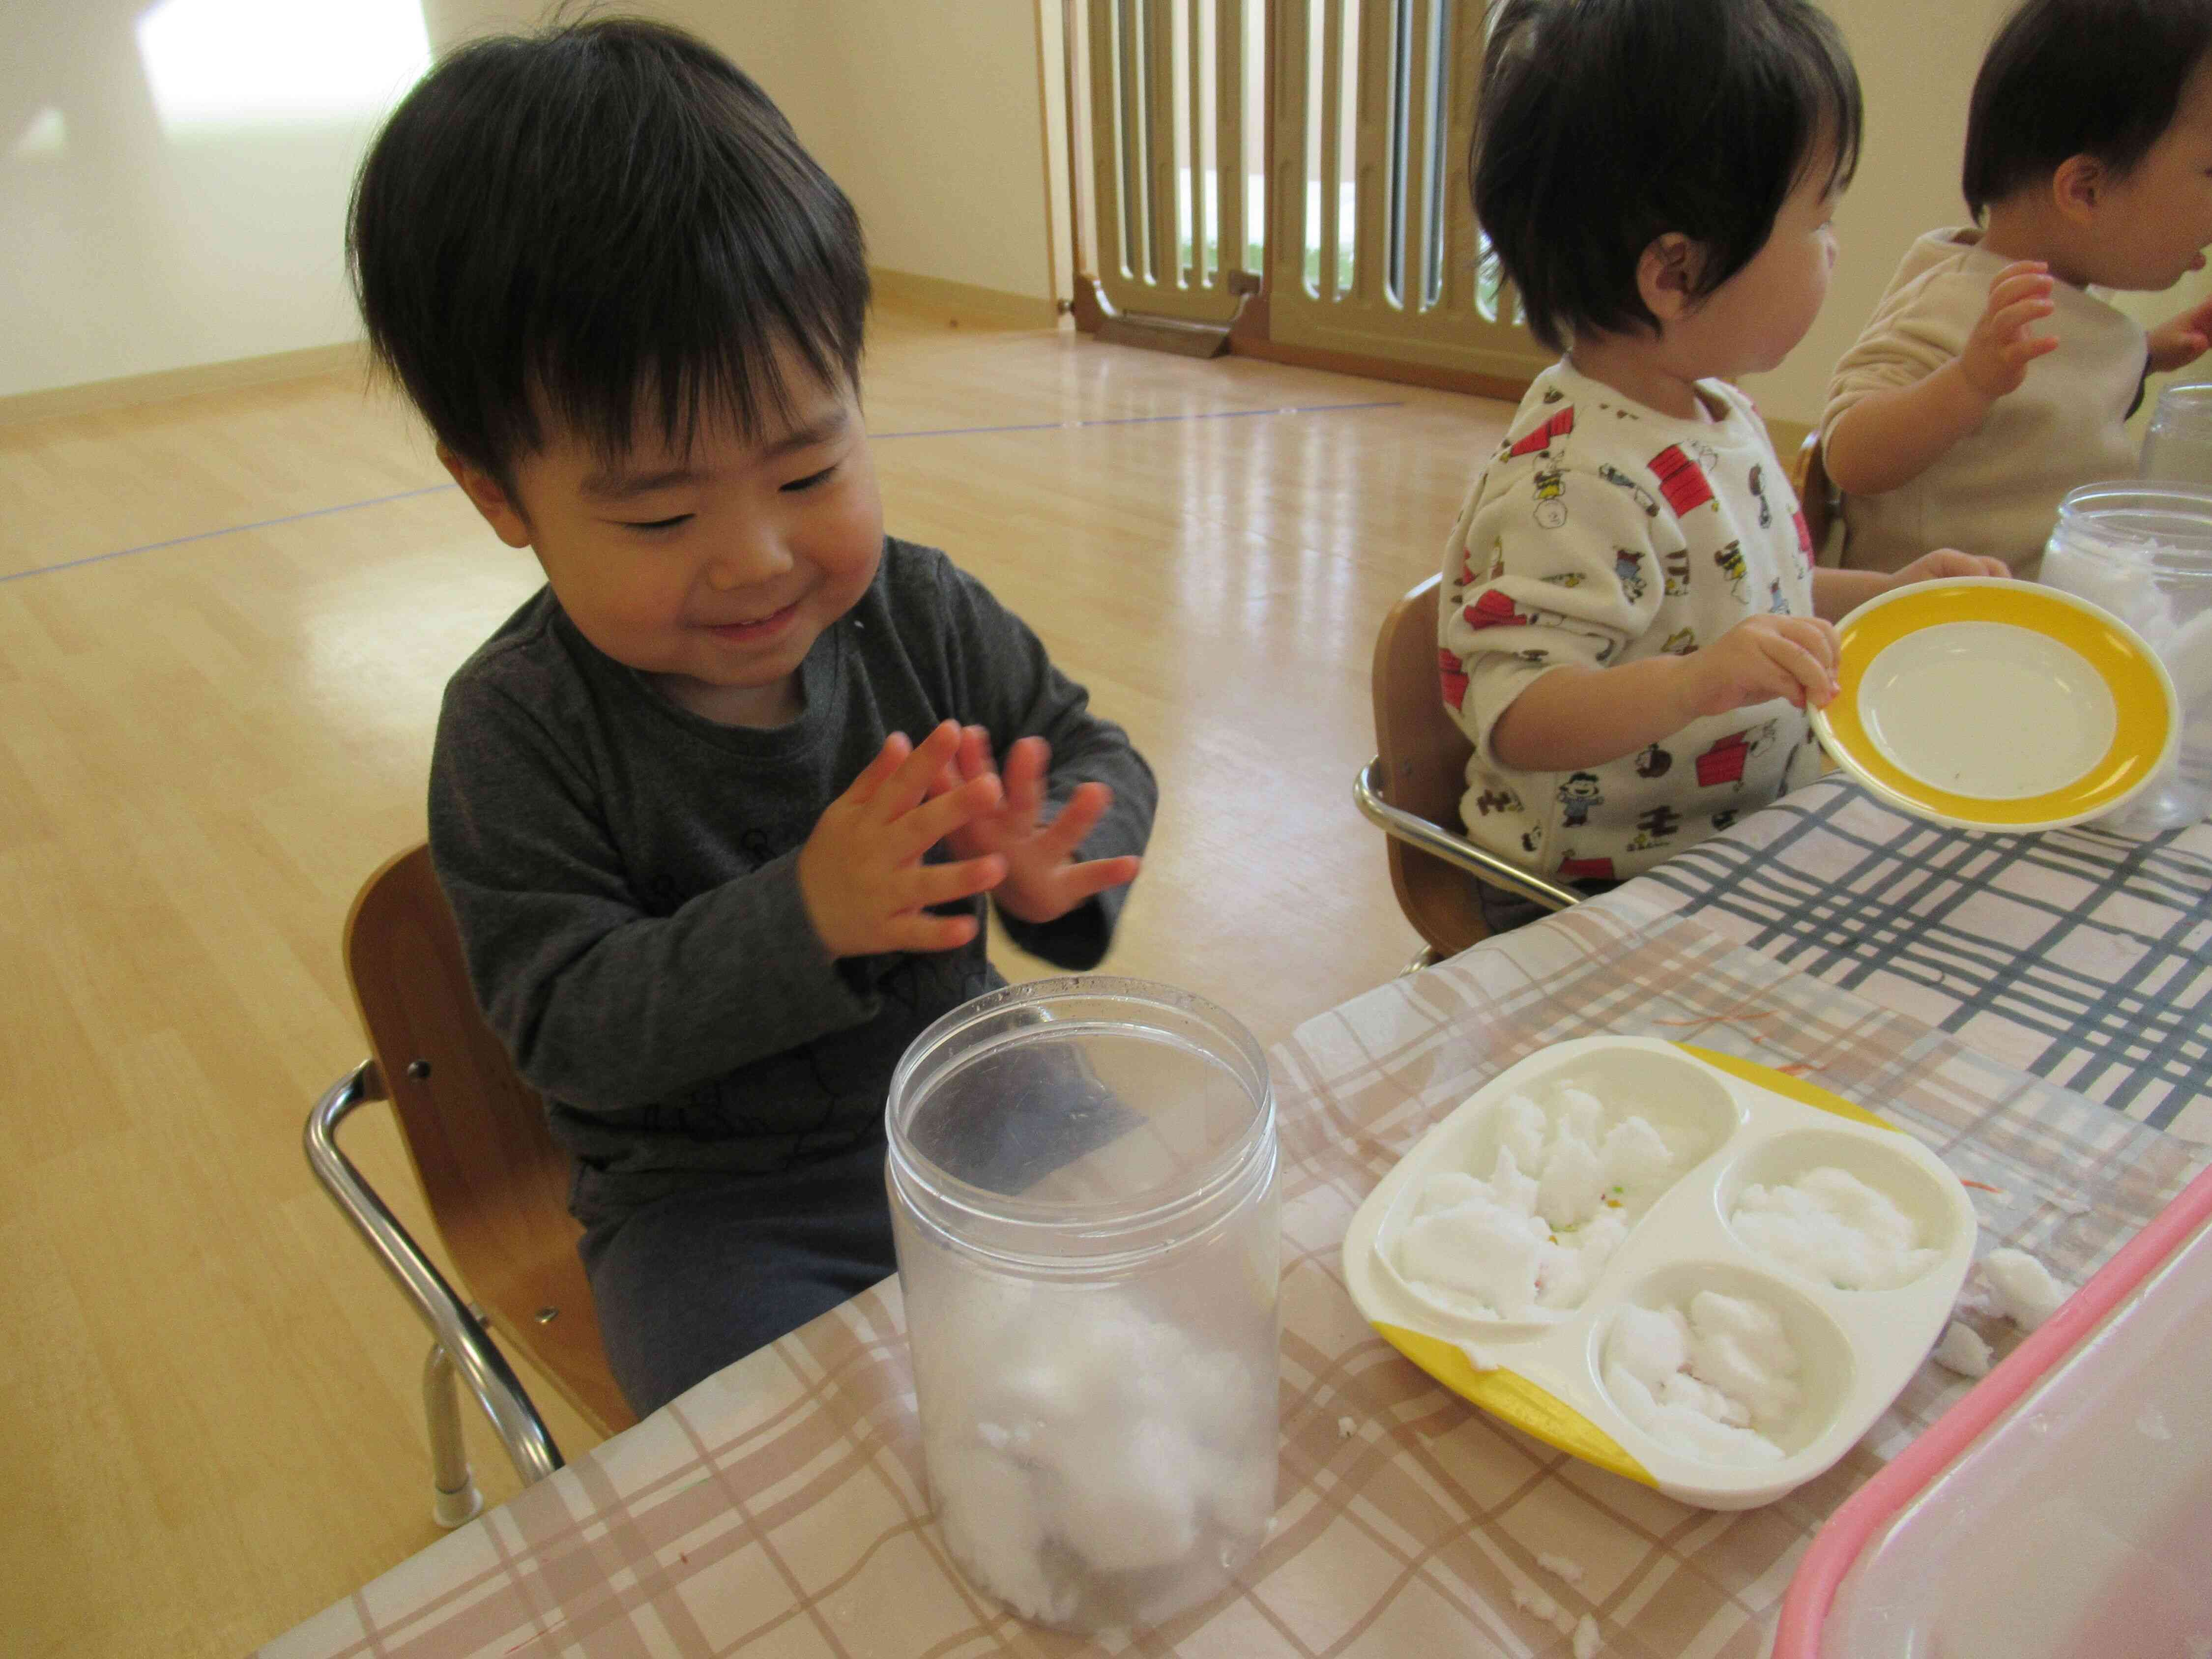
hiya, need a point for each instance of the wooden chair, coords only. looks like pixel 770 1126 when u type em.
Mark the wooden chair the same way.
pixel 494 1181
pixel 1411 791
pixel 1817 494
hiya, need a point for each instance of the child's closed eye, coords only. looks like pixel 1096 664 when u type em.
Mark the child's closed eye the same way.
pixel 657 523
pixel 809 481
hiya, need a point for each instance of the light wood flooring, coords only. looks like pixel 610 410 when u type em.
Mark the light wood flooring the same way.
pixel 224 625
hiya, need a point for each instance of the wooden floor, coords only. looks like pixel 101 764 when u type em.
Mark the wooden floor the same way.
pixel 224 625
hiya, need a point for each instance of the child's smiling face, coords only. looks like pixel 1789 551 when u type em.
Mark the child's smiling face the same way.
pixel 712 570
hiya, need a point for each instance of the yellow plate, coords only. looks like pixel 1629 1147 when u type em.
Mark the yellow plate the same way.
pixel 1992 704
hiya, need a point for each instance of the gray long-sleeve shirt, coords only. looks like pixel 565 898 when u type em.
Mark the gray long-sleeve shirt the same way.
pixel 625 877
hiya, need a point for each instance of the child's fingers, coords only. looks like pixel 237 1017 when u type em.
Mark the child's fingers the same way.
pixel 2009 320
pixel 974 751
pixel 1831 647
pixel 2018 270
pixel 909 784
pixel 1077 819
pixel 1077 882
pixel 971 759
pixel 941 884
pixel 1798 655
pixel 954 773
pixel 920 931
pixel 1810 678
pixel 928 823
pixel 2008 289
pixel 1810 634
pixel 888 760
pixel 1027 762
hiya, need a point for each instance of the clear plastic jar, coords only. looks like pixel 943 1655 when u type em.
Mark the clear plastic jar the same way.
pixel 2177 443
pixel 1082 1174
pixel 2143 551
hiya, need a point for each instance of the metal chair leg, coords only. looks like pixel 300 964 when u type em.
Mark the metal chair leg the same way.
pixel 1424 957
pixel 458 1333
pixel 454 1498
pixel 1455 850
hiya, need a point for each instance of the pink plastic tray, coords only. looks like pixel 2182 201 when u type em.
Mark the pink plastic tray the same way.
pixel 2063 1534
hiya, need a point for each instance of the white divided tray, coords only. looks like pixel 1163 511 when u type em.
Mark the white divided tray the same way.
pixel 1737 1124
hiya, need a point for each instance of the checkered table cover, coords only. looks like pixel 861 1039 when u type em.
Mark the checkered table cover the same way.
pixel 779 1508
pixel 2077 956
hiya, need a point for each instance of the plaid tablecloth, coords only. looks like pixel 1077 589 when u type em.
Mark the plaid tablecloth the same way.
pixel 2076 956
pixel 779 1508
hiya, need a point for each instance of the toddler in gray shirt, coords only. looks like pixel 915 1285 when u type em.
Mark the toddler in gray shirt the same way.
pixel 718 809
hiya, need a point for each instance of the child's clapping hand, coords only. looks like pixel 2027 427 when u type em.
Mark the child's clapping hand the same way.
pixel 1762 658
pixel 861 873
pixel 2000 348
pixel 2180 341
pixel 1044 881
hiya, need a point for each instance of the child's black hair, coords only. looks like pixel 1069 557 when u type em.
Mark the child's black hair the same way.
pixel 1604 124
pixel 2078 78
pixel 601 223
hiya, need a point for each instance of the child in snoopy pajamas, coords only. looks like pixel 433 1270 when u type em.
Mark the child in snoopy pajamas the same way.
pixel 1631 628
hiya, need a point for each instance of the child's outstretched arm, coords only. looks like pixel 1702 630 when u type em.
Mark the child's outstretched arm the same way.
pixel 1888 438
pixel 1837 593
pixel 1571 717
pixel 2180 341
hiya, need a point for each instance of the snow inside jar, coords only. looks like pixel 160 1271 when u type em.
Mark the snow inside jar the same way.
pixel 1082 1174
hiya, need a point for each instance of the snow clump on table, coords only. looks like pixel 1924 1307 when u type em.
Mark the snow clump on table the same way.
pixel 2022 1287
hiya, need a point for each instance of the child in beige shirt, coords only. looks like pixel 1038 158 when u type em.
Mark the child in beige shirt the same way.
pixel 2088 152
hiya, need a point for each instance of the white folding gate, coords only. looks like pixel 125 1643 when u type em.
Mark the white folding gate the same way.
pixel 1351 155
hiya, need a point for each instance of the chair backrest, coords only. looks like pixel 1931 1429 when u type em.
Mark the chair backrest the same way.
pixel 1816 492
pixel 495 1182
pixel 1424 760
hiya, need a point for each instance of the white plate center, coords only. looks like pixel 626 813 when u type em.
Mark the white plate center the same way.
pixel 1988 709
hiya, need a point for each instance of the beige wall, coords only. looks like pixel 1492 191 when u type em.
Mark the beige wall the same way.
pixel 139 238
pixel 1916 63
pixel 136 246
pixel 929 112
